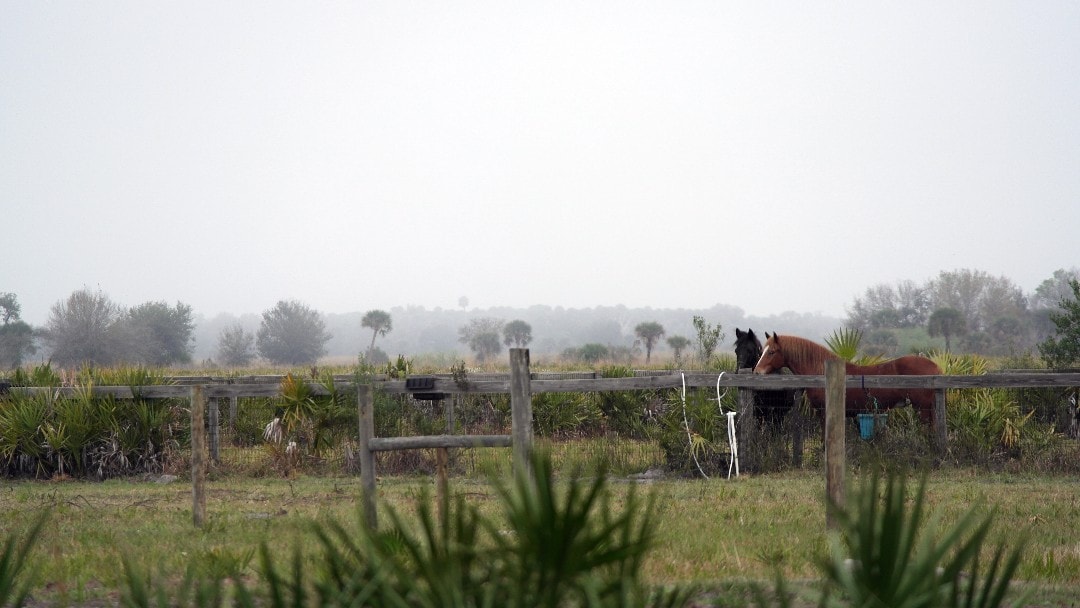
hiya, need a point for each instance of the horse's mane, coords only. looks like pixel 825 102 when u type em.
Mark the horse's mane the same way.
pixel 807 352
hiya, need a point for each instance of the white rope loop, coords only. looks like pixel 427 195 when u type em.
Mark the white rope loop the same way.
pixel 733 442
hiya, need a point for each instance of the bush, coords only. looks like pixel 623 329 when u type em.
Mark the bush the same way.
pixel 884 556
pixel 565 414
pixel 703 448
pixel 626 413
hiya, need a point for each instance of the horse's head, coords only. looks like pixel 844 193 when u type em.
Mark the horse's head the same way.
pixel 772 357
pixel 747 348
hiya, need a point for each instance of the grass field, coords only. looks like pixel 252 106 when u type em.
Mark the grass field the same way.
pixel 716 533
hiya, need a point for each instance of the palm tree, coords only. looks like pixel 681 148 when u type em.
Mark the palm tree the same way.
pixel 517 333
pixel 947 322
pixel 678 344
pixel 379 322
pixel 649 332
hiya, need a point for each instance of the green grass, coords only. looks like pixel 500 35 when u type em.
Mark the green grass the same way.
pixel 715 533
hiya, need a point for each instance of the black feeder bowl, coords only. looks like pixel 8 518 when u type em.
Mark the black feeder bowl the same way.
pixel 420 388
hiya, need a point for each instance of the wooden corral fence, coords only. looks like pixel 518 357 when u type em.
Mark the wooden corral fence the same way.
pixel 521 384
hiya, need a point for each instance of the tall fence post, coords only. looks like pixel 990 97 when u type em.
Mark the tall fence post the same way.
pixel 233 401
pixel 941 432
pixel 797 422
pixel 451 427
pixel 747 425
pixel 215 431
pixel 521 410
pixel 198 456
pixel 835 455
pixel 365 405
pixel 442 484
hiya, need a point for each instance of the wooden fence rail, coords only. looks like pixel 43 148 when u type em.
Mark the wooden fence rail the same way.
pixel 521 384
pixel 668 381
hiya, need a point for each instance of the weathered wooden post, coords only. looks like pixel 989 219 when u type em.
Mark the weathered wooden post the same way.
pixel 198 456
pixel 451 427
pixel 747 424
pixel 941 431
pixel 233 401
pixel 835 455
pixel 365 405
pixel 442 483
pixel 215 432
pixel 797 428
pixel 521 410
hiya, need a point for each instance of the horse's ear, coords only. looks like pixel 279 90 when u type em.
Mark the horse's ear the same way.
pixel 775 337
pixel 750 333
pixel 766 335
pixel 738 332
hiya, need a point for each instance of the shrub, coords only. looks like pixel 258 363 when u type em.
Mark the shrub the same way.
pixel 626 413
pixel 701 448
pixel 565 414
pixel 884 556
pixel 44 434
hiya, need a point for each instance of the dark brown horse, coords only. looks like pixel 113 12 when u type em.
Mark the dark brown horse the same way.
pixel 804 357
pixel 747 349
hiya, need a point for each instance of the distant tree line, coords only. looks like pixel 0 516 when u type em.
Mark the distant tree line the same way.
pixel 969 310
pixel 88 328
pixel 966 310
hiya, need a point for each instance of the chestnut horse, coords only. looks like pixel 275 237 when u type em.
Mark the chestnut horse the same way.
pixel 768 405
pixel 804 357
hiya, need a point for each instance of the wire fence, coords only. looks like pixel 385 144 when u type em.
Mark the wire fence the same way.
pixel 571 426
pixel 629 432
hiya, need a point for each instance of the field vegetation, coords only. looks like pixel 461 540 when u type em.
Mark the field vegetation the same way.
pixel 112 475
pixel 718 536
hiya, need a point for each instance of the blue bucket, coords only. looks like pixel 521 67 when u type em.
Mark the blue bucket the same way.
pixel 870 423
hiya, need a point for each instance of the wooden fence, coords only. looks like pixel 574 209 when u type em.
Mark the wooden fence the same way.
pixel 521 384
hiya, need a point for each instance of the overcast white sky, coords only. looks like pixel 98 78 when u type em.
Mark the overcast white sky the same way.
pixel 355 155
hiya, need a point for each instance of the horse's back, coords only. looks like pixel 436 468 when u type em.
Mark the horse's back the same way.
pixel 915 365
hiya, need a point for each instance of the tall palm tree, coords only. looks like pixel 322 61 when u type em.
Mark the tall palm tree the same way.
pixel 380 324
pixel 947 322
pixel 649 332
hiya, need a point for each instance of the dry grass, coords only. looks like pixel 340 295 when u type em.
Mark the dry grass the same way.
pixel 714 532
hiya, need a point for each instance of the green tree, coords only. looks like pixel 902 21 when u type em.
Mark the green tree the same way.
pixel 1045 299
pixel 1063 348
pixel 649 332
pixel 483 337
pixel 678 344
pixel 707 338
pixel 1050 293
pixel 380 324
pixel 292 334
pixel 86 328
pixel 980 298
pixel 16 336
pixel 947 322
pixel 9 308
pixel 162 334
pixel 885 307
pixel 236 347
pixel 593 353
pixel 882 342
pixel 517 333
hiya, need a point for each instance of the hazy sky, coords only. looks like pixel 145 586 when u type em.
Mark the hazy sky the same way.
pixel 356 155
